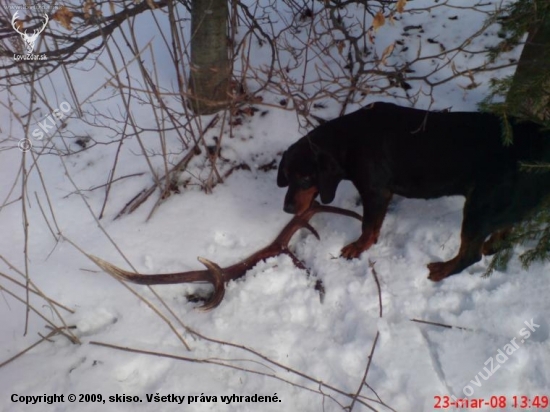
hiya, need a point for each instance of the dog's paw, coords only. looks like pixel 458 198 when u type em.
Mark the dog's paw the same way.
pixel 353 250
pixel 440 270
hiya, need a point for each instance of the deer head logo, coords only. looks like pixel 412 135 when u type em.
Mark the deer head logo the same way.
pixel 29 39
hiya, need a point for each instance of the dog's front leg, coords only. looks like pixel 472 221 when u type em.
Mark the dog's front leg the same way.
pixel 375 206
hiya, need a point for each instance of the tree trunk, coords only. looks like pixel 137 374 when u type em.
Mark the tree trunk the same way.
pixel 530 89
pixel 210 66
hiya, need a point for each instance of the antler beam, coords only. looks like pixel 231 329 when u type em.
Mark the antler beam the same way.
pixel 219 276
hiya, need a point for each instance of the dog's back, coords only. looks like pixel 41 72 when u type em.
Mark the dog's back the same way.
pixel 432 154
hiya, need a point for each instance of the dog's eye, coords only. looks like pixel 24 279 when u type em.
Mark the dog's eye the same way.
pixel 305 182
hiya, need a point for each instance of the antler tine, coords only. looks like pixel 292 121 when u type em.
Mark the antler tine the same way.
pixel 193 276
pixel 213 275
pixel 317 207
pixel 302 221
pixel 297 262
pixel 218 283
pixel 312 230
pixel 112 269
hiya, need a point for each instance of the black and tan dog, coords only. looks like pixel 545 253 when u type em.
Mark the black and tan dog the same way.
pixel 385 149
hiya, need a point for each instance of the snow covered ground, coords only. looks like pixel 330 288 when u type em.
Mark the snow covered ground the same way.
pixel 272 335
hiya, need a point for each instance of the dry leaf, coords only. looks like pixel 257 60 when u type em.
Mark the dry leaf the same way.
pixel 64 17
pixel 371 37
pixel 88 6
pixel 378 21
pixel 387 51
pixel 151 4
pixel 340 45
pixel 401 6
pixel 90 9
pixel 112 7
pixel 18 25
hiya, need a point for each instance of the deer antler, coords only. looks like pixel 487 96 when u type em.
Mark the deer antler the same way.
pixel 13 19
pixel 36 31
pixel 46 20
pixel 218 276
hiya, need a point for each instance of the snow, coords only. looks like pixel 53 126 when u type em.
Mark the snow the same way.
pixel 273 333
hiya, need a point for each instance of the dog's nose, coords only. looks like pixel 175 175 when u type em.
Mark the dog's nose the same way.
pixel 289 208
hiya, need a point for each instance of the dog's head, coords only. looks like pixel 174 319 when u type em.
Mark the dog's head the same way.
pixel 308 170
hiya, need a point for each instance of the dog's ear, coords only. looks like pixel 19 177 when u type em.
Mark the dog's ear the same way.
pixel 282 181
pixel 330 175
